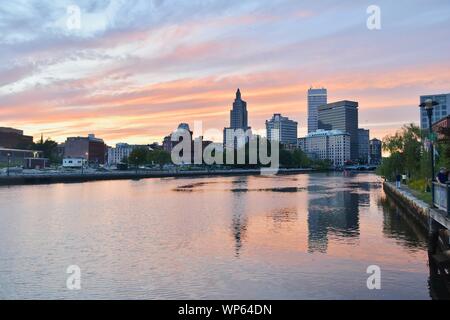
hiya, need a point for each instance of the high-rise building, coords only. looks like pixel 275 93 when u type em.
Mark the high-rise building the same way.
pixel 238 121
pixel 333 145
pixel 375 152
pixel 343 116
pixel 440 111
pixel 363 145
pixel 316 98
pixel 90 148
pixel 286 129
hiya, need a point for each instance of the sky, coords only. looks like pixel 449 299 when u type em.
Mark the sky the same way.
pixel 136 69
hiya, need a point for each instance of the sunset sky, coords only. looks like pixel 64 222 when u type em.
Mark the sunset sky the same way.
pixel 136 69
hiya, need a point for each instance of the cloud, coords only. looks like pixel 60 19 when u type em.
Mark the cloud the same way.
pixel 148 65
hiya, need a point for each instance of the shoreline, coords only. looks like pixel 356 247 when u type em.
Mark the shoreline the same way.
pixel 53 178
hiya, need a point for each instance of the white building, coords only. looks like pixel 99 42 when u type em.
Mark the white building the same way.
pixel 281 129
pixel 74 163
pixel 117 154
pixel 333 145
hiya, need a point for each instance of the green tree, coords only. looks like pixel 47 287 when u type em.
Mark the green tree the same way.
pixel 138 156
pixel 160 157
pixel 405 149
pixel 49 149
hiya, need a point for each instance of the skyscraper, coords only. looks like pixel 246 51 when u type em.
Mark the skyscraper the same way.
pixel 316 98
pixel 375 151
pixel 342 115
pixel 238 120
pixel 440 111
pixel 363 145
pixel 287 129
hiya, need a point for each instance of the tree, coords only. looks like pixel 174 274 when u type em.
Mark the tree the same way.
pixel 138 156
pixel 405 149
pixel 49 149
pixel 159 157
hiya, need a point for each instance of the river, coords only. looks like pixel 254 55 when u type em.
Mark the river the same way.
pixel 306 236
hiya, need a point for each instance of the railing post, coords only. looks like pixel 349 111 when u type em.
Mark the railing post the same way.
pixel 448 199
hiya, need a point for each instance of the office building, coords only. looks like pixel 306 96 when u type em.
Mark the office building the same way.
pixel 316 98
pixel 375 152
pixel 343 116
pixel 281 129
pixel 238 121
pixel 363 145
pixel 91 148
pixel 332 145
pixel 440 111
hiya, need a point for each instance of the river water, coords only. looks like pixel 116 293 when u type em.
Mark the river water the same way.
pixel 306 236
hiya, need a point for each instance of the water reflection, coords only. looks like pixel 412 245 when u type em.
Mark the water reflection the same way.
pixel 336 214
pixel 239 220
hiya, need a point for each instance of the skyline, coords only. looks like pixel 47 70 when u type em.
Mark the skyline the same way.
pixel 133 72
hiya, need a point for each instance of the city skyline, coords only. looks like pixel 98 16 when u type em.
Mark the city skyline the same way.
pixel 132 72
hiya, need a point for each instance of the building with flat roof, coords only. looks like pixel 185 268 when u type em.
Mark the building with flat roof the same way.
pixel 375 152
pixel 90 148
pixel 14 139
pixel 343 116
pixel 363 145
pixel 332 145
pixel 29 159
pixel 316 98
pixel 440 111
pixel 281 129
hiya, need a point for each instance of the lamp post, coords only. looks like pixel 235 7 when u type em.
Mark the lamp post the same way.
pixel 136 163
pixel 9 163
pixel 429 106
pixel 82 162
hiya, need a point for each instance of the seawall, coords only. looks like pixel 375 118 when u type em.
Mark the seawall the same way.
pixel 30 179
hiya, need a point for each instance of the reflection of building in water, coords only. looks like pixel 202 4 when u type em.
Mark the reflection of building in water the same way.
pixel 337 214
pixel 239 221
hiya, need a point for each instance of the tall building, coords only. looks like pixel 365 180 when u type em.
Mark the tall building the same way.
pixel 333 145
pixel 238 120
pixel 375 152
pixel 343 116
pixel 440 111
pixel 91 148
pixel 287 129
pixel 363 145
pixel 316 98
pixel 14 139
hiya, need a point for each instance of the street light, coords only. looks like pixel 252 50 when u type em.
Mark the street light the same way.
pixel 429 106
pixel 9 163
pixel 82 162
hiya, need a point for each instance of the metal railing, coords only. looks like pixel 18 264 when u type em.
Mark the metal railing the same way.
pixel 442 196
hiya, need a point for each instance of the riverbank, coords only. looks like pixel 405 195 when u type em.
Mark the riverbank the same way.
pixel 419 209
pixel 77 177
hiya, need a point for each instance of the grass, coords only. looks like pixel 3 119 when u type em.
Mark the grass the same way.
pixel 419 187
